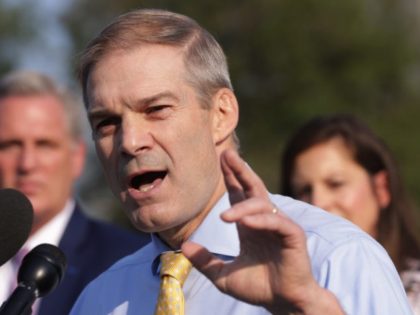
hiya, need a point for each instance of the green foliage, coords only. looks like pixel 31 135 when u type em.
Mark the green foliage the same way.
pixel 291 60
pixel 13 31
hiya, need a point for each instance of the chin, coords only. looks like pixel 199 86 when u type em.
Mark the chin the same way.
pixel 152 224
pixel 147 228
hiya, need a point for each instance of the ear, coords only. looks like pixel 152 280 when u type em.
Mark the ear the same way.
pixel 78 158
pixel 225 114
pixel 381 188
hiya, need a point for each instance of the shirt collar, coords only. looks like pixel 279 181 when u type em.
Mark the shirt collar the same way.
pixel 217 236
pixel 52 231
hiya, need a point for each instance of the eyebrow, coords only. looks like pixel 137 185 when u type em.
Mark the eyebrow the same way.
pixel 144 102
pixel 149 100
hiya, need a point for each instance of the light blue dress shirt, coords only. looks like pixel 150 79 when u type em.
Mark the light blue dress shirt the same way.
pixel 344 260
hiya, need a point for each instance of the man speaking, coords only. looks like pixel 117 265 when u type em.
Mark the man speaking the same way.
pixel 163 116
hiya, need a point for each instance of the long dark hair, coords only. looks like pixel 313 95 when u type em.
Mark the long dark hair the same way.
pixel 397 230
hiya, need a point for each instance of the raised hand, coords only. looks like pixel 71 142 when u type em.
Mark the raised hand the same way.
pixel 273 268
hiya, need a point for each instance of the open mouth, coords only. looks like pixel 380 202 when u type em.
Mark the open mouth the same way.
pixel 147 181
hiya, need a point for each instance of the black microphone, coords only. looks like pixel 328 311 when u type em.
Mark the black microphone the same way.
pixel 16 216
pixel 40 272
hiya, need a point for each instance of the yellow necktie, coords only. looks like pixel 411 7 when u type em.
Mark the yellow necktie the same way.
pixel 174 270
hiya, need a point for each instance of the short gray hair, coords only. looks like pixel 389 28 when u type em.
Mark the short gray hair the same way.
pixel 204 59
pixel 31 83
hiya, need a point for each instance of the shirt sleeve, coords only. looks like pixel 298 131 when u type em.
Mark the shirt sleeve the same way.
pixel 362 276
pixel 84 303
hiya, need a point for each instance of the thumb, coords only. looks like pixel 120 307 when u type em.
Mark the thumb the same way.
pixel 205 262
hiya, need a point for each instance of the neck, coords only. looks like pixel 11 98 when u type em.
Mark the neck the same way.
pixel 176 236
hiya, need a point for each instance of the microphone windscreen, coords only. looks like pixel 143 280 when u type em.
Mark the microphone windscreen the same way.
pixel 43 267
pixel 16 217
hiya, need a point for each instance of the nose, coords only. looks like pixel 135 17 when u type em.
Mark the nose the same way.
pixel 322 198
pixel 27 159
pixel 135 136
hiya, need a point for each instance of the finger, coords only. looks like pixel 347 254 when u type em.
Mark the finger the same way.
pixel 248 207
pixel 233 186
pixel 205 262
pixel 280 225
pixel 239 176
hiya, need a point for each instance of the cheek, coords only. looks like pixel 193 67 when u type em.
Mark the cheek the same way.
pixel 104 151
pixel 194 158
pixel 59 167
pixel 101 145
pixel 191 141
pixel 361 206
pixel 7 172
pixel 353 199
pixel 108 159
pixel 202 153
pixel 367 197
pixel 7 161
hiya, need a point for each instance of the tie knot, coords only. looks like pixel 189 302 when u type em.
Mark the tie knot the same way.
pixel 175 264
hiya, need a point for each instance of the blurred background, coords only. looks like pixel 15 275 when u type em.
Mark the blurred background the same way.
pixel 289 60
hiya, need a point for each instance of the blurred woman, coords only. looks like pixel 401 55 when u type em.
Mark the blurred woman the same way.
pixel 337 163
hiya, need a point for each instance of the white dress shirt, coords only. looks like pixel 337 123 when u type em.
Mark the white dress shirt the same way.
pixel 50 233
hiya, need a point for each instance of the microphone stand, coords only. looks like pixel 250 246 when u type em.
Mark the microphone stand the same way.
pixel 40 272
pixel 14 305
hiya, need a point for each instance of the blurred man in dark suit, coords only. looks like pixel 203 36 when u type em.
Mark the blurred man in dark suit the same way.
pixel 42 154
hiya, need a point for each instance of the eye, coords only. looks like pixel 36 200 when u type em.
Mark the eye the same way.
pixel 5 145
pixel 158 111
pixel 105 125
pixel 303 192
pixel 47 144
pixel 335 184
